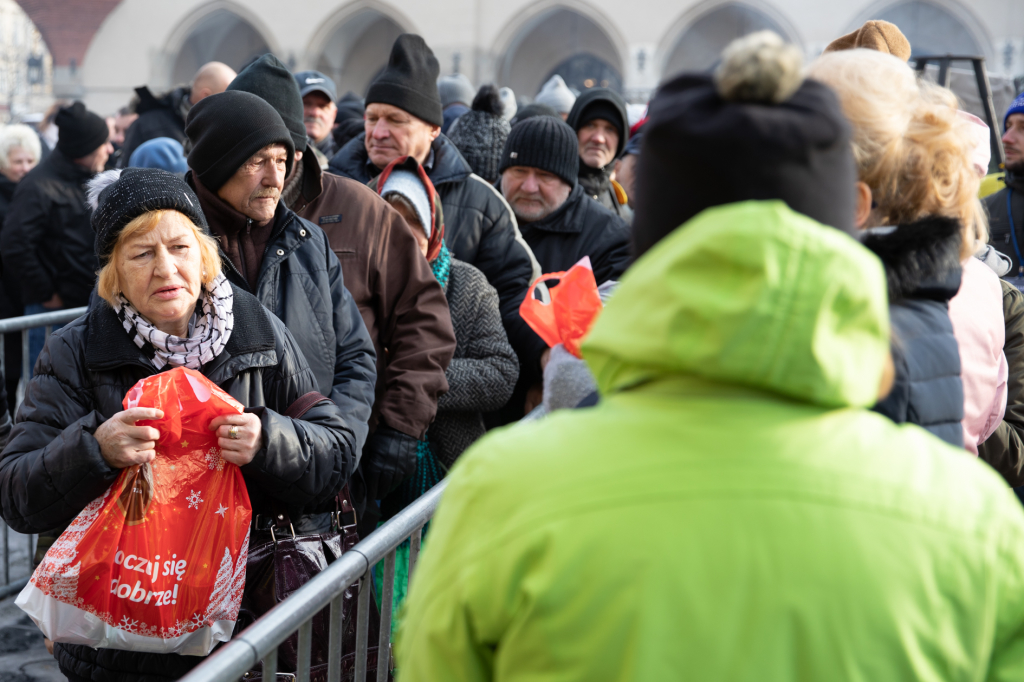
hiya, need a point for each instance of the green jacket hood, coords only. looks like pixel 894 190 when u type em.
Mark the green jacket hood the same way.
pixel 752 294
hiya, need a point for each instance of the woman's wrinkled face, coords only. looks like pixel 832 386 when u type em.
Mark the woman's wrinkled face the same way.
pixel 161 273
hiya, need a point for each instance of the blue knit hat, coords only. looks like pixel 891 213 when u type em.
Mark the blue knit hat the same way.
pixel 164 153
pixel 1016 108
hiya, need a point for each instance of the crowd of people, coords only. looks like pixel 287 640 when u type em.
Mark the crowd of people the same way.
pixel 803 402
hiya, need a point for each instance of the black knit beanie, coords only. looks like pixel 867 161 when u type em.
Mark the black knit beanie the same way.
pixel 79 131
pixel 120 196
pixel 409 81
pixel 480 134
pixel 543 142
pixel 743 134
pixel 605 104
pixel 271 80
pixel 226 129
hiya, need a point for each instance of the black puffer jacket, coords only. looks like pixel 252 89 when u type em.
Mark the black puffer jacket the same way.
pixel 999 218
pixel 52 466
pixel 580 227
pixel 47 241
pixel 480 229
pixel 162 116
pixel 300 281
pixel 922 266
pixel 483 372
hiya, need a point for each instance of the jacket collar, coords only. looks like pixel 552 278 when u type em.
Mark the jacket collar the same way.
pixel 311 177
pixel 108 346
pixel 7 187
pixel 68 169
pixel 922 259
pixel 562 220
pixel 449 166
pixel 1015 181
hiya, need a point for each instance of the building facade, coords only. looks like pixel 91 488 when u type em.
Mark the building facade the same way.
pixel 102 49
pixel 26 83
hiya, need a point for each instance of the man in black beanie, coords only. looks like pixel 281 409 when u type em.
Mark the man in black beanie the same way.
pixel 402 305
pixel 241 153
pixel 403 118
pixel 559 221
pixel 47 238
pixel 602 129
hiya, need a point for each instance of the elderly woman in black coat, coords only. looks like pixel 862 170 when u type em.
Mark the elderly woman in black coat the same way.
pixel 167 305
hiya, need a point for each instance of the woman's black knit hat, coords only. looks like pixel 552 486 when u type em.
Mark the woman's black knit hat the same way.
pixel 543 142
pixel 118 197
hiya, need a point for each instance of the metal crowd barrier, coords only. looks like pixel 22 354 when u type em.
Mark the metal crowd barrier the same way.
pixel 260 640
pixel 8 326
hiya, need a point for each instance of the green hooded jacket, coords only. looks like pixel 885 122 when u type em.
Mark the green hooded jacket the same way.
pixel 731 510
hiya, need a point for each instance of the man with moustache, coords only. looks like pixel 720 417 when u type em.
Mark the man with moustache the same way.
pixel 241 153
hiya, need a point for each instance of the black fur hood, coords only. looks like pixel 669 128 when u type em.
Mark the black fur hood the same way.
pixel 922 259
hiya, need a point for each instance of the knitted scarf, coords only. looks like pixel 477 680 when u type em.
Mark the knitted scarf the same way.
pixel 441 266
pixel 209 330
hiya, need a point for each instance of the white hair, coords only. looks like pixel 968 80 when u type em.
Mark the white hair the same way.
pixel 18 136
pixel 99 183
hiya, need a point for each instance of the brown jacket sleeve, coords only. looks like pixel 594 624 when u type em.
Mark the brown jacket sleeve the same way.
pixel 1004 449
pixel 402 304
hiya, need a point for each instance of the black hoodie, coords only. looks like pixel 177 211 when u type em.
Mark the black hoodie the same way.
pixel 597 182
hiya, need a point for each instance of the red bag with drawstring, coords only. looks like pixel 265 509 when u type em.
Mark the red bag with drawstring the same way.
pixel 157 563
pixel 571 309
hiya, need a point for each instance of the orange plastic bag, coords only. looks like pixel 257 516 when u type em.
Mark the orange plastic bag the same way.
pixel 571 311
pixel 158 562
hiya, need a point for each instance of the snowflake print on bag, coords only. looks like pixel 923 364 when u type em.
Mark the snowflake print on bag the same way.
pixel 214 461
pixel 194 500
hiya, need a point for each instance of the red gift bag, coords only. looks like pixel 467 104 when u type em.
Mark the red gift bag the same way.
pixel 157 563
pixel 571 310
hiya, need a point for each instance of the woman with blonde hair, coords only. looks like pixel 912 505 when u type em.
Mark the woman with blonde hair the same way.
pixel 917 205
pixel 167 304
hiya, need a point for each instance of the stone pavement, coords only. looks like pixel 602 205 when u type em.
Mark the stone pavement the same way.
pixel 23 657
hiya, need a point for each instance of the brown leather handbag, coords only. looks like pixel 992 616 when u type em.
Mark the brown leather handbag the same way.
pixel 281 561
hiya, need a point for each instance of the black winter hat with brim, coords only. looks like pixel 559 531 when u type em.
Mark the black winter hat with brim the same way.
pixel 269 79
pixel 118 197
pixel 80 132
pixel 604 104
pixel 743 134
pixel 543 142
pixel 228 128
pixel 409 81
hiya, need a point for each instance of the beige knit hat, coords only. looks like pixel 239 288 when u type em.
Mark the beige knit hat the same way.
pixel 875 35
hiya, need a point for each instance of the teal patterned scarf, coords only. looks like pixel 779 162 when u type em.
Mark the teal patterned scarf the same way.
pixel 442 266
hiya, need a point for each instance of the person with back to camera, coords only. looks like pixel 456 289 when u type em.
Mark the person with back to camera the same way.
pixel 777 528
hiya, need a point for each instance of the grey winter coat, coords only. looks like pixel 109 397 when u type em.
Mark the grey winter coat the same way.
pixel 483 372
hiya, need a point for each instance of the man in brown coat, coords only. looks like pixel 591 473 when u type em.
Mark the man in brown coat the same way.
pixel 401 303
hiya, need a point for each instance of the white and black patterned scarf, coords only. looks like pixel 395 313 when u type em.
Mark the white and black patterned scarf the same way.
pixel 209 330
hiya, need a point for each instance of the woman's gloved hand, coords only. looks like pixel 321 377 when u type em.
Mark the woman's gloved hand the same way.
pixel 389 457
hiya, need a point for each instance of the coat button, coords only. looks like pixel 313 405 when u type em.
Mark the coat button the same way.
pixel 302 233
pixel 280 252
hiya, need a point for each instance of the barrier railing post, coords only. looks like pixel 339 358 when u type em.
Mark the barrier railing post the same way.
pixel 304 659
pixel 386 600
pixel 363 623
pixel 334 652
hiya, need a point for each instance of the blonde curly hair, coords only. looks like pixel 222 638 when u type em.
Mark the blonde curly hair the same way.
pixel 911 147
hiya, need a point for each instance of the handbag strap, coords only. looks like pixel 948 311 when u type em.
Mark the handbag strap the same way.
pixel 343 500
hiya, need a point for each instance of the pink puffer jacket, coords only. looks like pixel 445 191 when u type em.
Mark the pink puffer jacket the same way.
pixel 977 316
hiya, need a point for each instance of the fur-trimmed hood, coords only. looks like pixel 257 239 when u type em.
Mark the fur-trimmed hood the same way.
pixel 922 259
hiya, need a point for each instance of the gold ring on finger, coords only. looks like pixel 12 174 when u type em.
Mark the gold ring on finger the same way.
pixel 233 433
